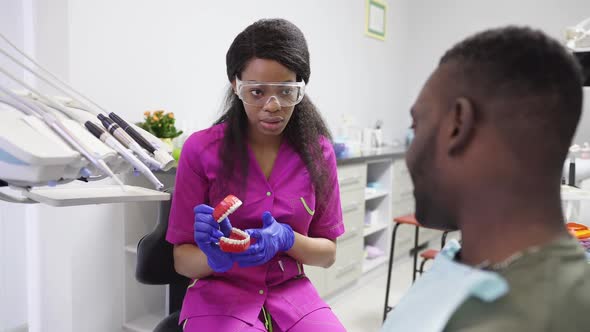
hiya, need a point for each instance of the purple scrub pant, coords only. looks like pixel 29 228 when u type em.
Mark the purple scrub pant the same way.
pixel 320 320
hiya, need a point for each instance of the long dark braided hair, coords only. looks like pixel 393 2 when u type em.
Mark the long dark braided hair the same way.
pixel 281 41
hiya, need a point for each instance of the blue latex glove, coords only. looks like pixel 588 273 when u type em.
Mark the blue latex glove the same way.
pixel 270 239
pixel 207 233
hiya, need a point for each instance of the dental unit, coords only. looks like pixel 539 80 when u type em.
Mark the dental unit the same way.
pixel 140 136
pixel 54 123
pixel 47 141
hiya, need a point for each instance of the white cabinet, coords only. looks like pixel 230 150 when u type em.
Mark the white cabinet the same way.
pixel 366 198
pixel 377 219
pixel 145 305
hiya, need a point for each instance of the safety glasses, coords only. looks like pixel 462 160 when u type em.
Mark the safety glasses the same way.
pixel 259 93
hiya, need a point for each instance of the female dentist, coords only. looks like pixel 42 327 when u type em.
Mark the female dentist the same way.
pixel 271 149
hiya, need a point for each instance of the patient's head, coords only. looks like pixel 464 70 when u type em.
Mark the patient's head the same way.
pixel 495 118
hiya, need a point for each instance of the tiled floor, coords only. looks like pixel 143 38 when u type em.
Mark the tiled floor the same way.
pixel 360 307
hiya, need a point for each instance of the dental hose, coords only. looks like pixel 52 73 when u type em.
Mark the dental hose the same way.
pixel 60 129
pixel 164 158
pixel 127 141
pixel 128 155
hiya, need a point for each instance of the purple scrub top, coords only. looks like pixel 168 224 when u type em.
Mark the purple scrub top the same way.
pixel 289 195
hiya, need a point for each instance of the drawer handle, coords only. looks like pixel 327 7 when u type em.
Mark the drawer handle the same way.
pixel 349 181
pixel 350 207
pixel 346 269
pixel 350 234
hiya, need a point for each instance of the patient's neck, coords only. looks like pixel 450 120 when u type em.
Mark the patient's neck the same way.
pixel 495 231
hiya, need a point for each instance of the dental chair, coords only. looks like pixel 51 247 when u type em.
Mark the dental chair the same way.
pixel 155 266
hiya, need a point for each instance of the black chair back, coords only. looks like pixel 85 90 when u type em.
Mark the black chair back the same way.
pixel 155 266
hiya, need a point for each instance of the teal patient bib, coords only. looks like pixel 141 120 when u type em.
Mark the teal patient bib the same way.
pixel 435 296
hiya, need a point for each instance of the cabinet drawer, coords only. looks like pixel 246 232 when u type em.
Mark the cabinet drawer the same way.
pixel 353 209
pixel 402 181
pixel 401 194
pixel 403 207
pixel 352 202
pixel 400 167
pixel 317 276
pixel 354 227
pixel 348 265
pixel 351 177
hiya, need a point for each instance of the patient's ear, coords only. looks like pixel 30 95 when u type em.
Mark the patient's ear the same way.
pixel 460 125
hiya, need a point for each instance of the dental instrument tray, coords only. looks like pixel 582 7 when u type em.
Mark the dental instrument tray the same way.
pixel 93 194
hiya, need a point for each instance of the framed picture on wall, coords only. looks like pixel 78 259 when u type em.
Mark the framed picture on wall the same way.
pixel 376 19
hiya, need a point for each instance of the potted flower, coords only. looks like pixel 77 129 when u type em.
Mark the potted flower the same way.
pixel 161 124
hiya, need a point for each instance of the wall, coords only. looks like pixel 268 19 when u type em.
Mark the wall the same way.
pixel 139 55
pixel 56 262
pixel 434 26
pixel 13 292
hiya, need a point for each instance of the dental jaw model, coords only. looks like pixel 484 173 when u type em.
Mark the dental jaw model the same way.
pixel 238 240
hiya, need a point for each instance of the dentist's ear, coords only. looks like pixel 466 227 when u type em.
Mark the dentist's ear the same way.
pixel 233 86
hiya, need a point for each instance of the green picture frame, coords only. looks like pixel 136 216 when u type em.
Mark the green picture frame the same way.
pixel 376 19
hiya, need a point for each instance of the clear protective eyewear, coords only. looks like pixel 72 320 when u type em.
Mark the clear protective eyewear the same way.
pixel 255 93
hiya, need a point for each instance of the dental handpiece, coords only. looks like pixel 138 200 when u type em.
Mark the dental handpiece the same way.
pixel 164 158
pixel 57 126
pixel 127 141
pixel 132 132
pixel 125 153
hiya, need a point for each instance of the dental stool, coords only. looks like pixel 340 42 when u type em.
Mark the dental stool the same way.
pixel 426 256
pixel 155 266
pixel 409 220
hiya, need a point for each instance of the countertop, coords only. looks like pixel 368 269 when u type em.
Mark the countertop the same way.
pixel 388 152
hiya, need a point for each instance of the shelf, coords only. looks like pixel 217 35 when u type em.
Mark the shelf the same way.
pixel 131 248
pixel 373 194
pixel 84 194
pixel 145 323
pixel 372 229
pixel 370 264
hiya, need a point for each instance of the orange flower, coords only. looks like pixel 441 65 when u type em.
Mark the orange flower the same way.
pixel 171 115
pixel 147 113
pixel 155 118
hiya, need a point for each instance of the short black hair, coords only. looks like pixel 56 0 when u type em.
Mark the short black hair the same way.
pixel 533 70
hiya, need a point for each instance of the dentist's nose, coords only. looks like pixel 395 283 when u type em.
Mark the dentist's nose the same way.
pixel 272 105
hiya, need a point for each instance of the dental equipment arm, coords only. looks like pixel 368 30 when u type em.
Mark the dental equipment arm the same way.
pixel 114 144
pixel 578 36
pixel 57 126
pixel 164 158
pixel 127 141
pixel 90 123
pixel 578 41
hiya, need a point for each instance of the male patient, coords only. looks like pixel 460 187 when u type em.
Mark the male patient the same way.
pixel 493 124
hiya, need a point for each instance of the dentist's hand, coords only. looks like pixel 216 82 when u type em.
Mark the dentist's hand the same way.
pixel 270 239
pixel 207 233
